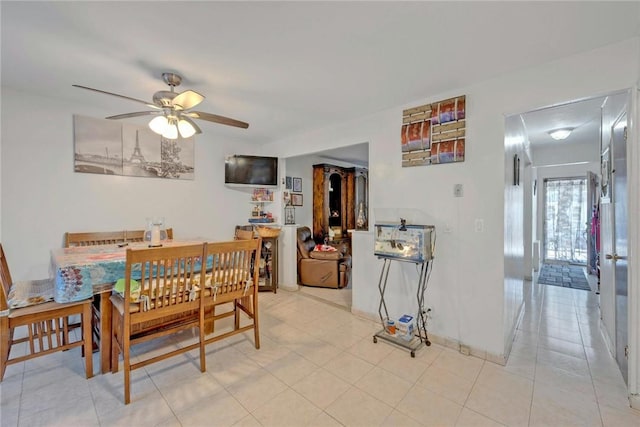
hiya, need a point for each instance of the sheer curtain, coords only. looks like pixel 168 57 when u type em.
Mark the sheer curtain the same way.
pixel 566 219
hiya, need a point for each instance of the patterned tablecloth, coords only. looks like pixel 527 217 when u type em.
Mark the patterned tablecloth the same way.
pixel 83 270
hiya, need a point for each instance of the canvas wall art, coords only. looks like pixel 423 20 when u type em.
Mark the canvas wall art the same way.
pixel 114 148
pixel 434 133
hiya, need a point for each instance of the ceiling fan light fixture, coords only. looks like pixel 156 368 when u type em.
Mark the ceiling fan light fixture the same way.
pixel 171 132
pixel 185 128
pixel 159 124
pixel 560 134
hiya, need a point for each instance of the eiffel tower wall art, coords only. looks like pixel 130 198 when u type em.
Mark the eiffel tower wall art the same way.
pixel 110 147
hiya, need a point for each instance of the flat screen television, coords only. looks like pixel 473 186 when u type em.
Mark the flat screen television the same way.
pixel 257 171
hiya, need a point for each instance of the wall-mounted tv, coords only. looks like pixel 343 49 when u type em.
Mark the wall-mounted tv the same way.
pixel 257 171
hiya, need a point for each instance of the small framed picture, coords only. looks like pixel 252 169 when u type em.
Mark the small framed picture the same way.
pixel 287 184
pixel 289 215
pixel 297 186
pixel 296 199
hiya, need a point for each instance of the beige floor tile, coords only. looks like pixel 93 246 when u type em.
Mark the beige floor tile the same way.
pixel 71 412
pixel 469 418
pixel 357 408
pixel 348 367
pixel 613 395
pixel 182 394
pixel 507 409
pixel 554 406
pixel 147 410
pixel 287 409
pixel 616 417
pixel 257 389
pixel 397 419
pixel 372 353
pixel 384 386
pixel 525 366
pixel 321 388
pixel 465 366
pixel 496 378
pixel 428 408
pixel 291 368
pixel 563 380
pixel 220 406
pixel 562 346
pixel 248 421
pixel 318 351
pixel 446 384
pixel 229 366
pixel 400 363
pixel 571 364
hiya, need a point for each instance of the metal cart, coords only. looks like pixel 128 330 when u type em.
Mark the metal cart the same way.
pixel 405 243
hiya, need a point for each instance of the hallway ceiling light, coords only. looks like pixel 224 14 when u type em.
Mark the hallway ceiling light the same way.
pixel 559 134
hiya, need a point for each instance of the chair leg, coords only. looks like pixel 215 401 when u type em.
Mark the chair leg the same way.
pixel 201 327
pixel 5 341
pixel 127 370
pixel 115 343
pixel 87 339
pixel 236 314
pixel 256 330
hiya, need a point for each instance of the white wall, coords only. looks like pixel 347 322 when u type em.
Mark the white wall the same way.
pixel 42 197
pixel 302 167
pixel 466 289
pixel 514 241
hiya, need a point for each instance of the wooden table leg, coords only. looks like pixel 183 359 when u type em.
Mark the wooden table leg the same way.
pixel 105 332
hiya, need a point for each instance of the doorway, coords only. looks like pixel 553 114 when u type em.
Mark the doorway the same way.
pixel 565 219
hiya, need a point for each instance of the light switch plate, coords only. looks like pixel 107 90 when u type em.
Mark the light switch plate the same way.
pixel 457 190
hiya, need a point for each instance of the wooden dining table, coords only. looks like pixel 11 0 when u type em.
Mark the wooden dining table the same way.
pixel 81 272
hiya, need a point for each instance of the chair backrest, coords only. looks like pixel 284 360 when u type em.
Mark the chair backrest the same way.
pixel 231 263
pixel 5 278
pixel 305 242
pixel 168 276
pixel 93 238
pixel 107 237
pixel 138 235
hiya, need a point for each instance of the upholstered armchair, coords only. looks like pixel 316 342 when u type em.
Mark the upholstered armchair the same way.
pixel 318 268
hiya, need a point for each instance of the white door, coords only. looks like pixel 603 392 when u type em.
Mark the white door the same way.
pixel 619 256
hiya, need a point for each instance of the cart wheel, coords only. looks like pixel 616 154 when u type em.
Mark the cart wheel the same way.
pixel 428 343
pixel 413 353
pixel 375 340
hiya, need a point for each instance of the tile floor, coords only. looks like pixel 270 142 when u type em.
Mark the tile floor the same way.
pixel 318 366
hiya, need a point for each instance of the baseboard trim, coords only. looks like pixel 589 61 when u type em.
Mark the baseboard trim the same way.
pixel 634 401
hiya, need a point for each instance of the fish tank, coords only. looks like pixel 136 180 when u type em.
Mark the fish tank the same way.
pixel 404 242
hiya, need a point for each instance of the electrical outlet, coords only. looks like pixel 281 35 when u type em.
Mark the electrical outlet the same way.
pixel 479 225
pixel 457 190
pixel 464 349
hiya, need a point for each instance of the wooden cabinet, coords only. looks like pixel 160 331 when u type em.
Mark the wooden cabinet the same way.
pixel 334 200
pixel 268 262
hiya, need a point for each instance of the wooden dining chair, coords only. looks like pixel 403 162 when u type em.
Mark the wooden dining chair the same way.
pixel 167 301
pixel 232 279
pixel 28 304
pixel 93 238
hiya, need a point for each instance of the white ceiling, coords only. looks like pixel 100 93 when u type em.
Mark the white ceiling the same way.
pixel 287 67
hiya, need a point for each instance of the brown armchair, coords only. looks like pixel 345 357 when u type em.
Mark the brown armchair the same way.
pixel 316 268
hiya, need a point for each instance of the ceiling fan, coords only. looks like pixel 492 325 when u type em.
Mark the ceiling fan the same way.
pixel 172 110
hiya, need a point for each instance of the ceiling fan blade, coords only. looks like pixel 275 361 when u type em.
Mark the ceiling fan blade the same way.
pixel 119 96
pixel 136 114
pixel 217 119
pixel 187 99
